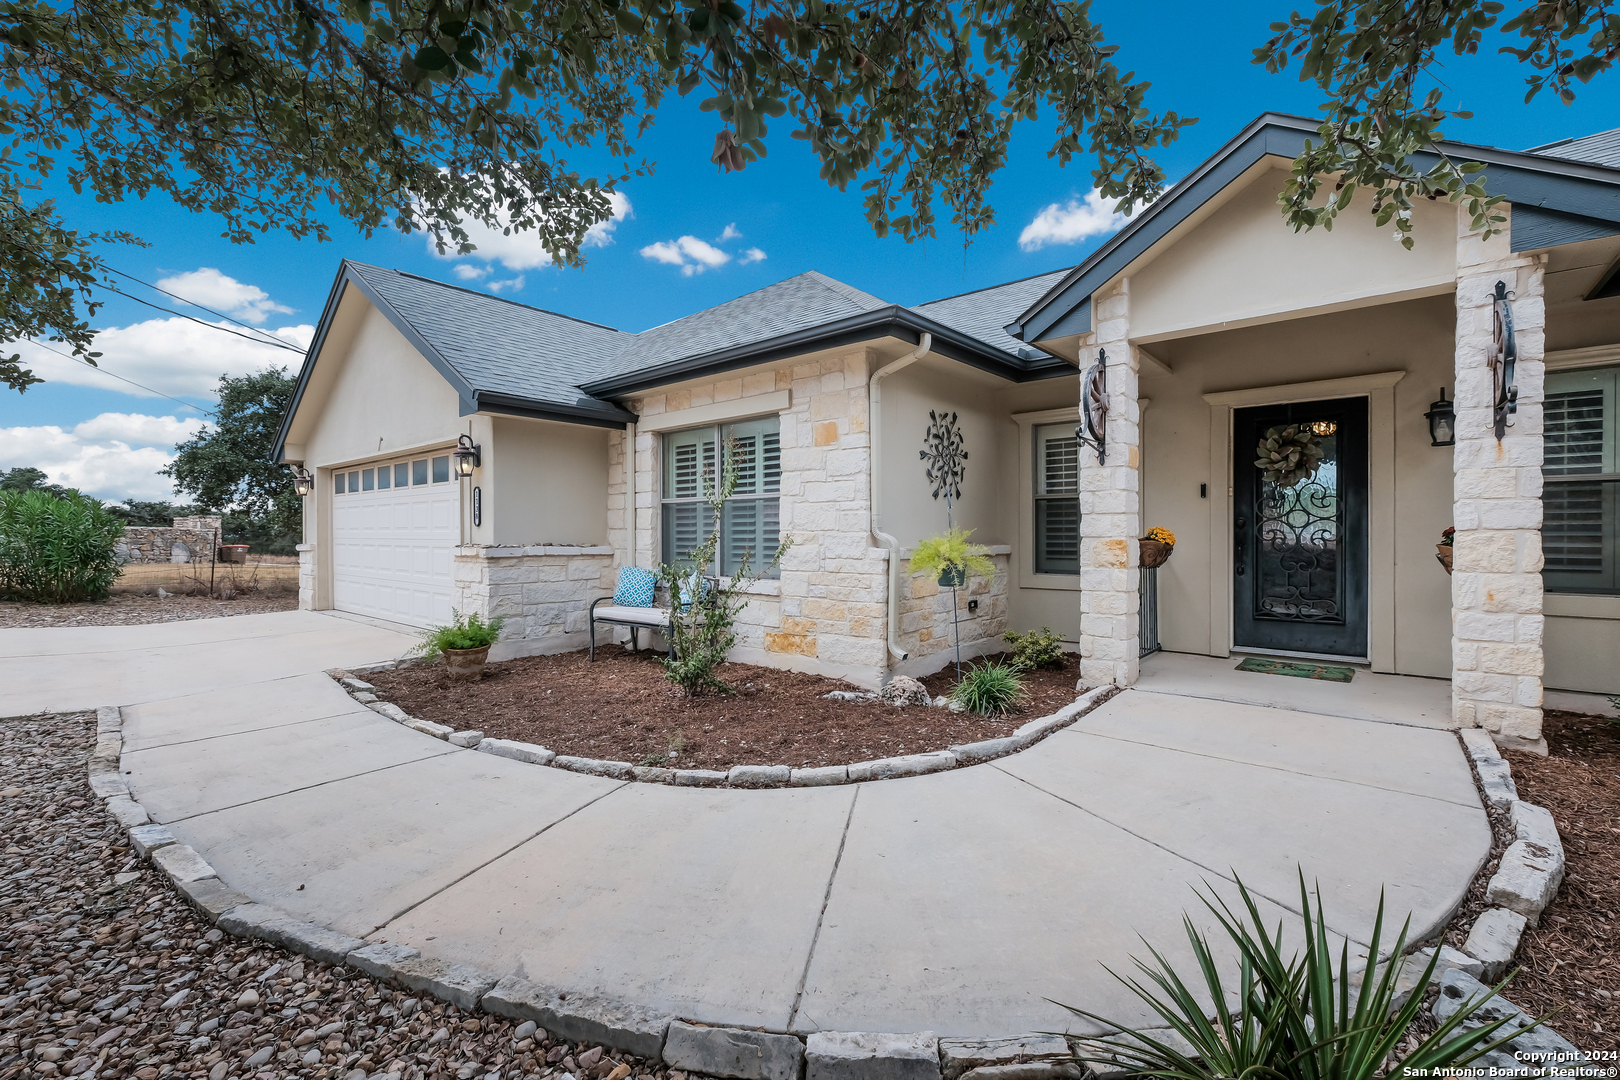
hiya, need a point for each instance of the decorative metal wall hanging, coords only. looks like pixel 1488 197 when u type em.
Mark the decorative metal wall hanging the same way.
pixel 1504 355
pixel 1093 424
pixel 943 451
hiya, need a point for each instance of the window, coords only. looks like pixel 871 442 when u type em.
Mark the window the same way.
pixel 383 475
pixel 1581 496
pixel 1057 500
pixel 751 521
pixel 402 474
pixel 419 471
pixel 354 481
pixel 368 480
pixel 337 483
pixel 441 469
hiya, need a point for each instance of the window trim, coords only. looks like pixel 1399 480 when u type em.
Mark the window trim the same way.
pixel 1591 361
pixel 1024 552
pixel 665 500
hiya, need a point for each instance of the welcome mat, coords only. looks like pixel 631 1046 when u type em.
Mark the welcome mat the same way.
pixel 1298 669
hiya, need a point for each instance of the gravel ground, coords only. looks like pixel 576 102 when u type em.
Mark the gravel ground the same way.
pixel 130 609
pixel 105 972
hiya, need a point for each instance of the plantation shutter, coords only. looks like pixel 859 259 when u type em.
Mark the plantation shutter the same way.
pixel 752 519
pixel 1581 467
pixel 1057 501
pixel 688 476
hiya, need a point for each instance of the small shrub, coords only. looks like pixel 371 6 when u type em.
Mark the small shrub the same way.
pixel 57 549
pixel 1035 651
pixel 989 689
pixel 464 632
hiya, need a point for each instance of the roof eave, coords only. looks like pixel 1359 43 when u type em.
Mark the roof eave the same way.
pixel 605 414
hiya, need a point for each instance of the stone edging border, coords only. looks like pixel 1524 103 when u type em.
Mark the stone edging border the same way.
pixel 737 1053
pixel 738 776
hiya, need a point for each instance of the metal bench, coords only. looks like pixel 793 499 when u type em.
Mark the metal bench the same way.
pixel 636 618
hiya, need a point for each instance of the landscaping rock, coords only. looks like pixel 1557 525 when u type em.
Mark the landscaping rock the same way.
pixel 126 811
pixel 1494 940
pixel 1535 825
pixel 1534 1053
pixel 617 770
pixel 849 695
pixel 458 984
pixel 146 839
pixel 351 683
pixel 968 753
pixel 1449 958
pixel 758 776
pixel 181 863
pixel 212 896
pixel 732 1052
pixel 108 785
pixel 863 1055
pixel 904 690
pixel 649 775
pixel 109 718
pixel 909 765
pixel 699 778
pixel 392 711
pixel 1043 726
pixel 428 727
pixel 378 959
pixel 518 751
pixel 580 1017
pixel 466 739
pixel 1526 879
pixel 1496 780
pixel 1023 1057
pixel 831 774
pixel 271 924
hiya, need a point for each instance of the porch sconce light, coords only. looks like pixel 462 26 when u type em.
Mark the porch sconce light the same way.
pixel 468 455
pixel 303 481
pixel 1442 417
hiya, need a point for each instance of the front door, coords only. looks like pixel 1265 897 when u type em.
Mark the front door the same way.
pixel 1300 580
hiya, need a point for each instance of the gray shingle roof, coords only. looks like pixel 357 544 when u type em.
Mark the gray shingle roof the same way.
pixel 799 303
pixel 1602 148
pixel 984 312
pixel 499 345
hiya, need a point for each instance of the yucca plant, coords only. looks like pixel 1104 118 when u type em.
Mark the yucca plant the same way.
pixel 989 689
pixel 1288 1019
pixel 57 549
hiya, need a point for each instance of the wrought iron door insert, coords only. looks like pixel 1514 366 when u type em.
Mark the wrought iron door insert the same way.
pixel 1300 512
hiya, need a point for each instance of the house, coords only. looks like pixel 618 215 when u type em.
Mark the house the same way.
pixel 1205 326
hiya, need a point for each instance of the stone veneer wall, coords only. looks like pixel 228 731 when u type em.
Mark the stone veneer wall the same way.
pixel 156 544
pixel 826 613
pixel 925 616
pixel 1496 588
pixel 306 577
pixel 544 591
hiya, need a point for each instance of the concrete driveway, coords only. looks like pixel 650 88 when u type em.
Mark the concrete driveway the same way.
pixel 962 903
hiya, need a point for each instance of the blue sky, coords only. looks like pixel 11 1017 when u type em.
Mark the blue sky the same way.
pixel 773 220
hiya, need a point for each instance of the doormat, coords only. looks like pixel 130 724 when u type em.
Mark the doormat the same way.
pixel 1298 669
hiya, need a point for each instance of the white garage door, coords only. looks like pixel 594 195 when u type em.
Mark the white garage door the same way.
pixel 394 525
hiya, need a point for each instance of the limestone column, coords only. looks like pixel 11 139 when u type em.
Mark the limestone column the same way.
pixel 1110 507
pixel 1496 590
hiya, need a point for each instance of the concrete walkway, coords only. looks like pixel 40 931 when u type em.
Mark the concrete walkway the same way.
pixel 957 903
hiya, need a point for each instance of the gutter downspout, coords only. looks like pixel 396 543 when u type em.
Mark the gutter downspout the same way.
pixel 874 425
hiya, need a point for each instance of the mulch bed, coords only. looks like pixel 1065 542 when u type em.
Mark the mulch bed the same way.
pixel 127 609
pixel 107 974
pixel 1572 960
pixel 621 708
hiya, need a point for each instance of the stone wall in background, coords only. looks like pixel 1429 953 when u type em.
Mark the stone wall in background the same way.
pixel 157 544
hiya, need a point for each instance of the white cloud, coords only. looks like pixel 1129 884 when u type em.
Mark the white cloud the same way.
pixel 730 232
pixel 514 283
pixel 752 255
pixel 523 250
pixel 469 272
pixel 689 253
pixel 111 456
pixel 210 288
pixel 171 356
pixel 1071 222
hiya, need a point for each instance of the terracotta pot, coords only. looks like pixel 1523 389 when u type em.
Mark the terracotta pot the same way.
pixel 952 577
pixel 466 664
pixel 1154 553
pixel 1443 553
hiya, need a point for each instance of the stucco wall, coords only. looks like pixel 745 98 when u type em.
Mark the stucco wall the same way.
pixel 545 483
pixel 1244 262
pixel 1412 336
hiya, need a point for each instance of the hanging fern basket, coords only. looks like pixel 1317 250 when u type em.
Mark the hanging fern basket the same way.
pixel 1288 454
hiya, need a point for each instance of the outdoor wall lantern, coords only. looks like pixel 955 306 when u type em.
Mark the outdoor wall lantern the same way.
pixel 468 455
pixel 303 482
pixel 1442 417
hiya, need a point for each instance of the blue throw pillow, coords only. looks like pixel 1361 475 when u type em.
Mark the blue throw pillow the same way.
pixel 694 587
pixel 635 588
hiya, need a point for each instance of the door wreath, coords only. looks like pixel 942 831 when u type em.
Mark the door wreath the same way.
pixel 1289 454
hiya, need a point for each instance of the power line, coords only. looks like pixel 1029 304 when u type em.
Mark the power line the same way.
pixel 193 303
pixel 200 322
pixel 132 382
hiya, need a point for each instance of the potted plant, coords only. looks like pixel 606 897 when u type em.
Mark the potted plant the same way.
pixel 1442 550
pixel 1156 547
pixel 952 558
pixel 464 644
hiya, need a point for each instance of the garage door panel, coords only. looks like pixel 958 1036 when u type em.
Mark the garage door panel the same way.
pixel 393 552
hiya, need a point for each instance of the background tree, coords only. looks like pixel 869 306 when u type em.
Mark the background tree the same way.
pixel 427 114
pixel 154 512
pixel 227 466
pixel 25 478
